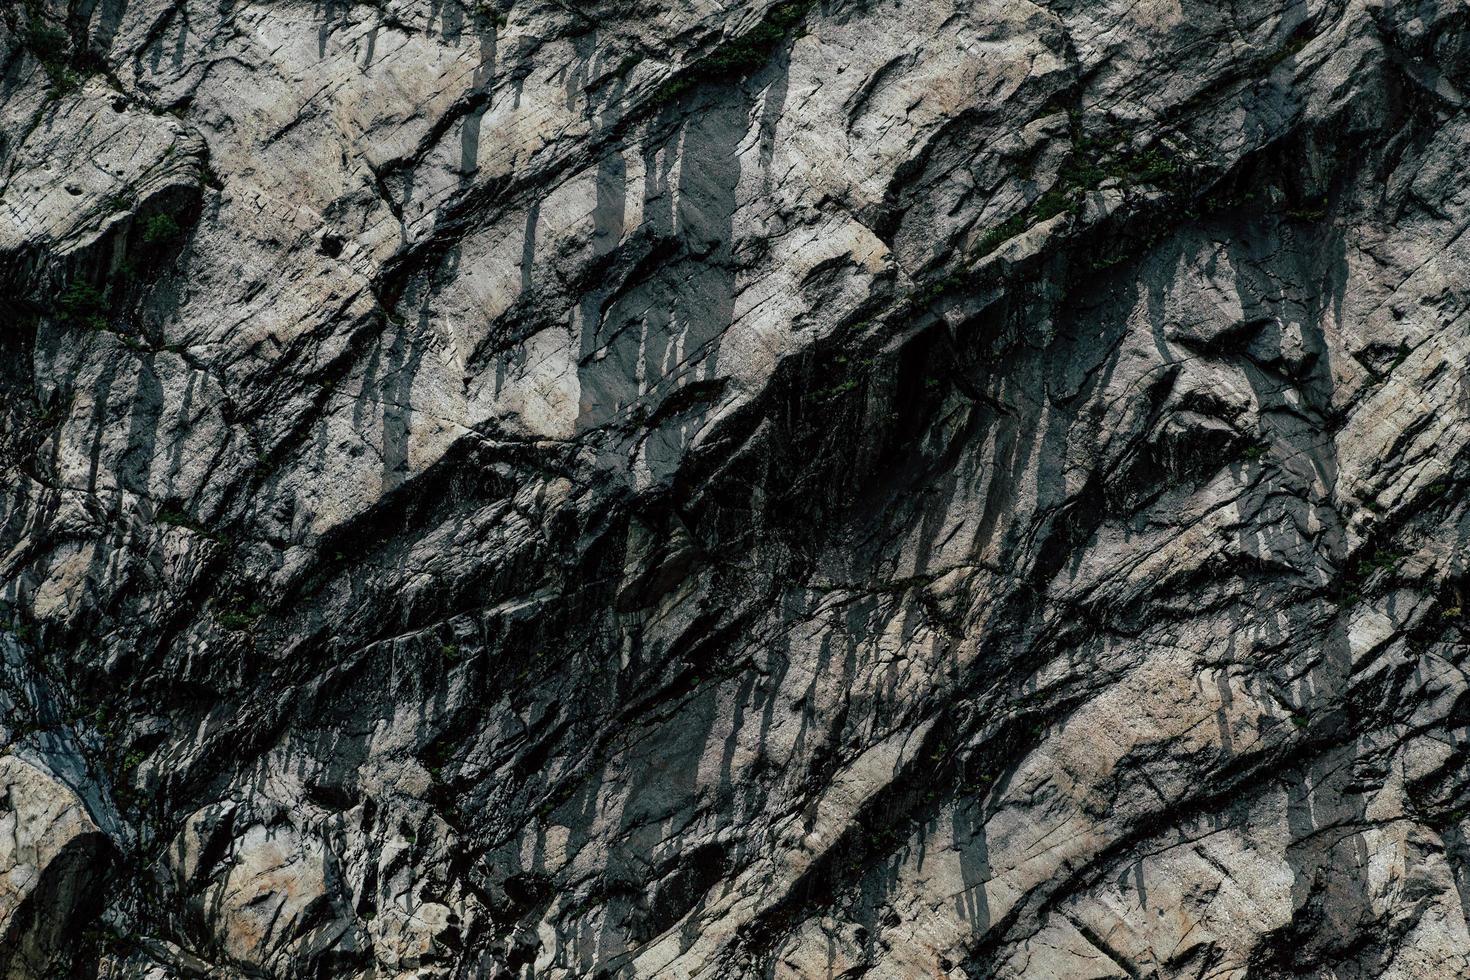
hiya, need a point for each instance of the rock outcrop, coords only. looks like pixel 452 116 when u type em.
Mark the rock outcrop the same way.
pixel 53 856
pixel 892 488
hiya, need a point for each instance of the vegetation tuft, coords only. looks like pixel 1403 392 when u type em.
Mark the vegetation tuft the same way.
pixel 52 48
pixel 83 304
pixel 1310 211
pixel 161 229
pixel 740 57
pixel 1093 161
pixel 240 614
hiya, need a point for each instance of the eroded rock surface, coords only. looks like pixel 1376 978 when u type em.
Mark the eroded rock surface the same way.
pixel 940 488
pixel 52 855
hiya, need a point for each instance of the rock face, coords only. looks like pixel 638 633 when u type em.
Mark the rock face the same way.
pixel 678 489
pixel 49 850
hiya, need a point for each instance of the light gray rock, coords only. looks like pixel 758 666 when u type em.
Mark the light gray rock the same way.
pixel 54 860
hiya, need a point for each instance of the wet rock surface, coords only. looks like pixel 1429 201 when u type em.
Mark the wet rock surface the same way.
pixel 812 489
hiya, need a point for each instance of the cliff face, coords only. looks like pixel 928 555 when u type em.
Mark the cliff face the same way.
pixel 666 488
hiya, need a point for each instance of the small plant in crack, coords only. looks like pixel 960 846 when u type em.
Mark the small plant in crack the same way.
pixel 838 390
pixel 171 517
pixel 1291 49
pixel 161 229
pixel 84 305
pixel 1360 571
pixel 21 631
pixel 1093 161
pixel 51 47
pixel 1381 560
pixel 239 613
pixel 1311 211
pixel 1002 233
pixel 740 57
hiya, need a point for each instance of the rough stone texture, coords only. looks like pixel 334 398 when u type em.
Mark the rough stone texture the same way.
pixel 49 850
pixel 568 488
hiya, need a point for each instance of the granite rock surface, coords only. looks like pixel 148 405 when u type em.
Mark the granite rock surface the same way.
pixel 690 489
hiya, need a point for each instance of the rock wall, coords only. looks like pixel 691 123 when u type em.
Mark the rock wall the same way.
pixel 681 489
